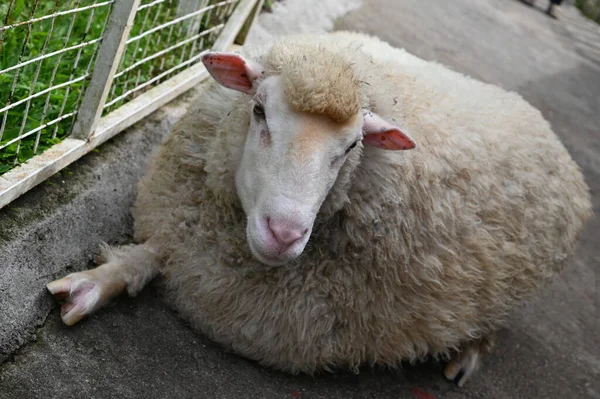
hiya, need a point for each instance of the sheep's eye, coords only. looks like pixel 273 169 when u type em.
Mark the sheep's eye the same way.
pixel 259 111
pixel 351 147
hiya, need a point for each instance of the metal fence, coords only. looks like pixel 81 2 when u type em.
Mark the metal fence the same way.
pixel 75 73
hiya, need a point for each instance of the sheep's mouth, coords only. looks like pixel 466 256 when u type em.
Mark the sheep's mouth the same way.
pixel 268 259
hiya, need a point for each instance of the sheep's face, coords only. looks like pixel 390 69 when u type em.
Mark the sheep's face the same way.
pixel 291 159
pixel 290 162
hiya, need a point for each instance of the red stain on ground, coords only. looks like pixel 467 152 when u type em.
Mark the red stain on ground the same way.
pixel 295 394
pixel 420 394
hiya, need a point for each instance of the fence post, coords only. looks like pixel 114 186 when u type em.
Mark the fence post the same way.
pixel 243 33
pixel 107 61
pixel 236 20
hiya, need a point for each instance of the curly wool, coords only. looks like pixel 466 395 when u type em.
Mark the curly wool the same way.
pixel 413 253
pixel 317 80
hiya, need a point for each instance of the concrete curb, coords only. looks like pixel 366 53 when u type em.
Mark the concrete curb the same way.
pixel 56 228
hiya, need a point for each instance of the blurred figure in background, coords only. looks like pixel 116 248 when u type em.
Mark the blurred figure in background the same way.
pixel 552 7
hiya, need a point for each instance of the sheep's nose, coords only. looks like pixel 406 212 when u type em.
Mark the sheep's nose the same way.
pixel 286 232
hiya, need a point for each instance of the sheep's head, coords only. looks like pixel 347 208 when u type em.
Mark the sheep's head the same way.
pixel 306 124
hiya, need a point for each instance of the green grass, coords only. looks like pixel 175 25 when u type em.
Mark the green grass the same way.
pixel 589 8
pixel 13 44
pixel 18 45
pixel 155 42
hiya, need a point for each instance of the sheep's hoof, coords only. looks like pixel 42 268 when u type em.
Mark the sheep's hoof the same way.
pixel 464 363
pixel 80 294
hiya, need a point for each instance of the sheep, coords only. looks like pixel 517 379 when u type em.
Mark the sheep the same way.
pixel 330 202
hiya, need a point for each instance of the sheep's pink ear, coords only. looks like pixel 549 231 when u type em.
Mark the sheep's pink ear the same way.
pixel 381 134
pixel 232 70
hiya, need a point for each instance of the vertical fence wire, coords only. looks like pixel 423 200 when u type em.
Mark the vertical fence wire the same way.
pixel 76 64
pixel 197 43
pixel 53 76
pixel 16 75
pixel 147 44
pixel 169 35
pixel 35 77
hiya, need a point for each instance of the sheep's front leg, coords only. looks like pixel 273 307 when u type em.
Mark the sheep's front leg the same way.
pixel 82 293
pixel 464 363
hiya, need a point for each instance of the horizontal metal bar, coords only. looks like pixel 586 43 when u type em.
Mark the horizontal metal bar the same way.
pixel 177 20
pixel 168 49
pixel 154 79
pixel 37 129
pixel 150 101
pixel 39 93
pixel 155 2
pixel 50 55
pixel 56 14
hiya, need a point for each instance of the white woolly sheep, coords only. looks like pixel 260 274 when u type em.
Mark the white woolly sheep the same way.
pixel 412 253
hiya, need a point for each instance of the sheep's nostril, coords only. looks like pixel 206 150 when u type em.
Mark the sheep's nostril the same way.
pixel 286 232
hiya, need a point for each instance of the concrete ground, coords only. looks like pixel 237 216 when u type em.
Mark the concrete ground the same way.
pixel 138 348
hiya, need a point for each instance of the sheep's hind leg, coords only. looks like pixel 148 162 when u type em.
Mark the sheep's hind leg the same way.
pixel 82 293
pixel 463 364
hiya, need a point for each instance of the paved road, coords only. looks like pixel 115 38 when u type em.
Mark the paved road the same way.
pixel 556 66
pixel 139 349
